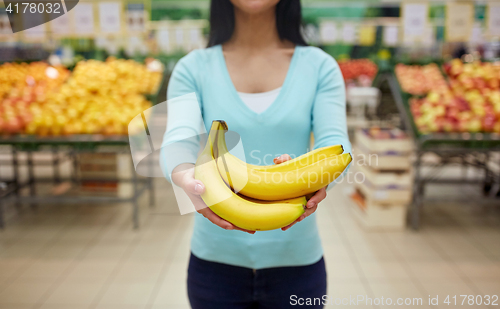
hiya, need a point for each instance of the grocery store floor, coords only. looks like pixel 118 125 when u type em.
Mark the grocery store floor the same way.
pixel 88 256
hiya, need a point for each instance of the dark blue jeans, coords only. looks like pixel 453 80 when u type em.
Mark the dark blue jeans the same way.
pixel 220 286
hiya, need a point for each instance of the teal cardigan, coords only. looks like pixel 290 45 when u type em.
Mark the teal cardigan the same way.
pixel 312 98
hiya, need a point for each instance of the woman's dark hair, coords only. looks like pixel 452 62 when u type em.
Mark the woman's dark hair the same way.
pixel 288 21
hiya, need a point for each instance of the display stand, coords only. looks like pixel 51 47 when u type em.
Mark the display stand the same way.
pixel 68 148
pixel 471 149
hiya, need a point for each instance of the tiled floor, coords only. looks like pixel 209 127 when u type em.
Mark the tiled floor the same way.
pixel 88 256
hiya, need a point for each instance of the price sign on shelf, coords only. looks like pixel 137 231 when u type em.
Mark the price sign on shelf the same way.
pixel 414 20
pixel 390 35
pixel 195 37
pixel 493 19
pixel 110 17
pixel 459 21
pixel 61 25
pixel 163 39
pixel 136 17
pixel 84 18
pixel 477 34
pixel 348 33
pixel 179 36
pixel 328 32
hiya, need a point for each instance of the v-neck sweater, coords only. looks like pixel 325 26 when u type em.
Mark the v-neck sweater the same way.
pixel 312 98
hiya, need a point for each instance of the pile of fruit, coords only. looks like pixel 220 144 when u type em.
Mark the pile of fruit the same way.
pixel 359 71
pixel 420 80
pixel 22 85
pixel 97 98
pixel 471 103
pixel 268 197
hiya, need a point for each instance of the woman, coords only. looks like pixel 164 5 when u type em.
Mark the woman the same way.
pixel 258 75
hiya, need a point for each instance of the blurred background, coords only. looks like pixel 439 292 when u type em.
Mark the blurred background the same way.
pixel 419 215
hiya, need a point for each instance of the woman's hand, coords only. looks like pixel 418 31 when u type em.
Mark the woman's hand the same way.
pixel 183 176
pixel 313 202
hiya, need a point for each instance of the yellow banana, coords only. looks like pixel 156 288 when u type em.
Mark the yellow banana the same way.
pixel 244 213
pixel 301 161
pixel 294 180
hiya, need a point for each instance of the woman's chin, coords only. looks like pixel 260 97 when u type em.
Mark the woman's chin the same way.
pixel 254 6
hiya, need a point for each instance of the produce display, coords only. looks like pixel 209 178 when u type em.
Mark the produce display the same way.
pixel 360 71
pixel 420 80
pixel 15 78
pixel 269 197
pixel 22 85
pixel 96 98
pixel 471 102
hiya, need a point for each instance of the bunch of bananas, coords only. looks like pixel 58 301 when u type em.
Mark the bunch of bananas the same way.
pixel 260 198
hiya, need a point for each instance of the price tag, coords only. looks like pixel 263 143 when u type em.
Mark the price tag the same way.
pixel 136 20
pixel 110 17
pixel 84 18
pixel 195 36
pixel 136 17
pixel 163 39
pixel 348 33
pixel 61 25
pixel 414 20
pixel 390 35
pixel 477 35
pixel 367 35
pixel 179 36
pixel 459 21
pixel 328 32
pixel 493 21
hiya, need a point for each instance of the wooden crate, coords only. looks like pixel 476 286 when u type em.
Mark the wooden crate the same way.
pixel 390 141
pixel 389 150
pixel 385 179
pixel 382 161
pixel 384 194
pixel 376 215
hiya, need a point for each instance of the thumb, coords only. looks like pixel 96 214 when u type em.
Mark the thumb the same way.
pixel 194 186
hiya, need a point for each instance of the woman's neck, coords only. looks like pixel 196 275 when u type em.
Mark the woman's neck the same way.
pixel 254 31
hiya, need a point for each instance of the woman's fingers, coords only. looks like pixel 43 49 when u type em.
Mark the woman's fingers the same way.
pixel 282 158
pixel 212 217
pixel 194 188
pixel 215 219
pixel 243 230
pixel 317 197
pixel 192 185
pixel 307 213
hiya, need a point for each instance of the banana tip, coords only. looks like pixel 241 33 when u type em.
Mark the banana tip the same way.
pixel 222 123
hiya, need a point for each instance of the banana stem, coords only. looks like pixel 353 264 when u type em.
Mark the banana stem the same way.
pixel 222 130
